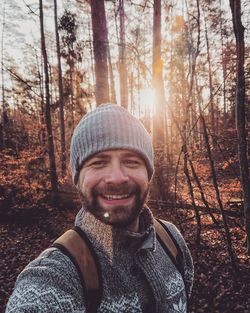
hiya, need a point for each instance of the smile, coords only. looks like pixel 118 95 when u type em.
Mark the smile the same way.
pixel 116 197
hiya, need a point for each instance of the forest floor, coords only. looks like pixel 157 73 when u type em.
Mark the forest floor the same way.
pixel 217 288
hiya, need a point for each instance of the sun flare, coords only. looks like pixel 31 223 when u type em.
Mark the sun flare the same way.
pixel 147 98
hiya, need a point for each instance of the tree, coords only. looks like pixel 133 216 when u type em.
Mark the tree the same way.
pixel 61 100
pixel 4 113
pixel 68 26
pixel 211 92
pixel 122 56
pixel 52 161
pixel 235 6
pixel 158 128
pixel 100 40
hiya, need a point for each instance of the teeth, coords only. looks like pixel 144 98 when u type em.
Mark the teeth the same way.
pixel 116 197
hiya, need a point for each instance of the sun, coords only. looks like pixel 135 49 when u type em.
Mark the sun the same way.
pixel 147 97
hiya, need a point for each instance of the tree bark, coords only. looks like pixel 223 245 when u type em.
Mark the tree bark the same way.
pixel 211 93
pixel 53 174
pixel 223 68
pixel 111 79
pixel 61 100
pixel 42 134
pixel 122 57
pixel 158 122
pixel 100 40
pixel 131 89
pixel 241 112
pixel 4 113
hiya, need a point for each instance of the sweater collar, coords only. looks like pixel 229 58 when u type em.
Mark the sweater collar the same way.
pixel 109 238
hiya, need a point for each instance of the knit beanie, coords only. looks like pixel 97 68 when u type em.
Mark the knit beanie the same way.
pixel 108 127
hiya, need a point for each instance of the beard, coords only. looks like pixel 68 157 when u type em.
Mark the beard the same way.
pixel 120 216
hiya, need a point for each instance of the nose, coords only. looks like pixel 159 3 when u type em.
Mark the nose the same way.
pixel 116 175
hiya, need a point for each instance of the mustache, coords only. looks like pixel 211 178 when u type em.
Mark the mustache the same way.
pixel 116 189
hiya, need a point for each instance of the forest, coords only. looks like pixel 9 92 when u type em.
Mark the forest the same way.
pixel 183 68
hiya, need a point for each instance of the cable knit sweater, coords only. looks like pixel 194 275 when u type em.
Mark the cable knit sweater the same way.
pixel 137 274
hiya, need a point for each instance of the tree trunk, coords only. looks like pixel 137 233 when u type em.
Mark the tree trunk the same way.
pixel 91 52
pixel 191 192
pixel 223 68
pixel 241 113
pixel 138 87
pixel 4 113
pixel 111 79
pixel 197 51
pixel 158 122
pixel 53 174
pixel 131 89
pixel 211 93
pixel 122 57
pixel 61 100
pixel 100 40
pixel 71 63
pixel 42 134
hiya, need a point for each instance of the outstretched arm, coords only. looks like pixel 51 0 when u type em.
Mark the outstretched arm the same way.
pixel 50 283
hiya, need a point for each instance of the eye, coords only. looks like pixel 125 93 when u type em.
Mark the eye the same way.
pixel 132 162
pixel 98 163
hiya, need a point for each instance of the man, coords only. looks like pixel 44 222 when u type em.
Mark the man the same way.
pixel 112 165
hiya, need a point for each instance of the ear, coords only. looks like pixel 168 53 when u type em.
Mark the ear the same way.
pixel 79 181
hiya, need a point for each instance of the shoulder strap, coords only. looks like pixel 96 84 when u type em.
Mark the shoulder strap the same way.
pixel 171 247
pixel 75 244
pixel 169 244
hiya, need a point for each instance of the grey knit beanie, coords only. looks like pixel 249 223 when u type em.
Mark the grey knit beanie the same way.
pixel 109 126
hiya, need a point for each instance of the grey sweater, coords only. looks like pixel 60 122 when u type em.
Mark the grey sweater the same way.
pixel 137 274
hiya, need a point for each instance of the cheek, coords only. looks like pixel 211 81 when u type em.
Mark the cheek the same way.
pixel 88 182
pixel 141 178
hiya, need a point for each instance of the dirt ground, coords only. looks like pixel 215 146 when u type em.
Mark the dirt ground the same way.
pixel 217 288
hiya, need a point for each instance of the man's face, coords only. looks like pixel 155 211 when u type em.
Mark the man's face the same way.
pixel 114 186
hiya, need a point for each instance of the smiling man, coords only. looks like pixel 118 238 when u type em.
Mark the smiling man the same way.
pixel 114 187
pixel 112 165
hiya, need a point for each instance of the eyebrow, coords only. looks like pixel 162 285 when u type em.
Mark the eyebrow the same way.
pixel 101 155
pixel 106 156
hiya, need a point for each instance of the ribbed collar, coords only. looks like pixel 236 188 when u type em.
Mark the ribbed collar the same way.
pixel 110 239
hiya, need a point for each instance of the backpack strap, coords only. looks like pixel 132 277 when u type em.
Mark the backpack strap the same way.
pixel 75 244
pixel 169 244
pixel 171 247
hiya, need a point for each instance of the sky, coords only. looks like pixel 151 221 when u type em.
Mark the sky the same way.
pixel 22 32
pixel 21 26
pixel 25 26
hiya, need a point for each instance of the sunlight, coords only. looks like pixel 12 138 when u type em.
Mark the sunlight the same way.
pixel 147 96
pixel 147 101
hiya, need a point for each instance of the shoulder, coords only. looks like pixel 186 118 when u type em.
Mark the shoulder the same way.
pixel 47 283
pixel 50 262
pixel 176 234
pixel 186 254
pixel 177 237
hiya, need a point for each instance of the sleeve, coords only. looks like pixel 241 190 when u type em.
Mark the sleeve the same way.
pixel 50 283
pixel 188 267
